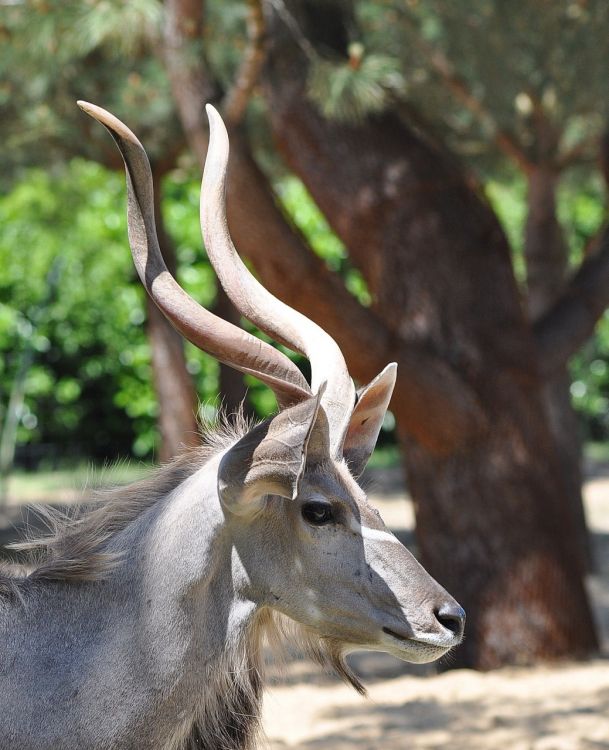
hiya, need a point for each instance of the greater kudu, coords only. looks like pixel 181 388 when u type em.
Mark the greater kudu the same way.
pixel 139 623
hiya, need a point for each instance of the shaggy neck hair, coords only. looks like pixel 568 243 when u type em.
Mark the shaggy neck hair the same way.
pixel 228 717
pixel 74 546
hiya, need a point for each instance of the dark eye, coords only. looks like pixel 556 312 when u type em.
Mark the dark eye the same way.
pixel 317 513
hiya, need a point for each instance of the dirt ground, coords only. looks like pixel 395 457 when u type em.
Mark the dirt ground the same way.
pixel 561 707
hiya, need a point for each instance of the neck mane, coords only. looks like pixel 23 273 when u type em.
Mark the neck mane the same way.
pixel 228 715
pixel 75 548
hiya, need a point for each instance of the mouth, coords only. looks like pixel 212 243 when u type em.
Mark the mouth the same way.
pixel 399 637
pixel 415 649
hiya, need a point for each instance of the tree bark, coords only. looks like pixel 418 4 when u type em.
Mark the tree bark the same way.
pixel 191 87
pixel 546 256
pixel 491 509
pixel 544 248
pixel 571 320
pixel 233 391
pixel 177 421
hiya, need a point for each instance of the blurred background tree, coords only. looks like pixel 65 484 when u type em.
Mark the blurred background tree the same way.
pixel 413 125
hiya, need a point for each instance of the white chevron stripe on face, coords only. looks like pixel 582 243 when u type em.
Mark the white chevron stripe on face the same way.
pixel 378 535
pixel 372 535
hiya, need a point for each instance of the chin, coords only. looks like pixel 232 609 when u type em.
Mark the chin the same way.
pixel 420 653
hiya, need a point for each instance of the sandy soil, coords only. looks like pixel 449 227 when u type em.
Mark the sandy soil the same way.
pixel 561 707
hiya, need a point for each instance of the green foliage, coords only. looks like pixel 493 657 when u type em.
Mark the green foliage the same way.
pixel 590 386
pixel 90 384
pixel 122 26
pixel 580 207
pixel 80 335
pixel 225 38
pixel 350 90
pixel 581 210
pixel 53 53
pixel 521 61
pixel 303 211
pixel 508 199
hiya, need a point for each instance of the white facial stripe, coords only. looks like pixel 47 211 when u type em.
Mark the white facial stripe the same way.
pixel 368 534
pixel 377 535
pixel 373 535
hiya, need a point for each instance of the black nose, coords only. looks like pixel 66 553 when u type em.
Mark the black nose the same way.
pixel 452 617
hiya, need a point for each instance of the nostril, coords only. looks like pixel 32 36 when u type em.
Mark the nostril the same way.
pixel 452 617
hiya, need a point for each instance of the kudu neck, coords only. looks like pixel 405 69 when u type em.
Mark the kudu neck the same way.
pixel 189 558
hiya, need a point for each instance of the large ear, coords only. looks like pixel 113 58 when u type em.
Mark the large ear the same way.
pixel 271 458
pixel 367 418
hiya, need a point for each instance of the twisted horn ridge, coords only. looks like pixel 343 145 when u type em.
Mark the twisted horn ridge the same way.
pixel 224 341
pixel 254 302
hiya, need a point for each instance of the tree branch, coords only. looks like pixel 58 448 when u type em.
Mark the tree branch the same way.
pixel 238 96
pixel 582 151
pixel 571 320
pixel 504 140
pixel 191 88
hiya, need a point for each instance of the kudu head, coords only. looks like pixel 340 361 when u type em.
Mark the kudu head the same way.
pixel 306 541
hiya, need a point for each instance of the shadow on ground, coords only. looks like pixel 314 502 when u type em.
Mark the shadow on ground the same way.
pixel 482 719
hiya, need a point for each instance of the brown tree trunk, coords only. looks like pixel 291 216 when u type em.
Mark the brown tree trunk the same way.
pixel 191 87
pixel 174 388
pixel 492 514
pixel 545 248
pixel 546 256
pixel 233 392
pixel 175 393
